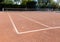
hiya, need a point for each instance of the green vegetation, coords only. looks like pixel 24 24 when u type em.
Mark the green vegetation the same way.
pixel 31 4
pixel 7 2
pixel 1 0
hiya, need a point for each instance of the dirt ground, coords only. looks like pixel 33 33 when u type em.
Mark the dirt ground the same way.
pixel 29 26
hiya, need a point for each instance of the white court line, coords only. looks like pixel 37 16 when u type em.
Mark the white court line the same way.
pixel 34 21
pixel 32 31
pixel 13 24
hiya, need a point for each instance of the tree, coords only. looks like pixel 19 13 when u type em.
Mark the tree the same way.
pixel 8 2
pixel 1 0
pixel 1 4
pixel 31 4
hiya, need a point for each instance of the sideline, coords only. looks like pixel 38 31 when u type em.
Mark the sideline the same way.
pixel 34 21
pixel 13 24
pixel 32 31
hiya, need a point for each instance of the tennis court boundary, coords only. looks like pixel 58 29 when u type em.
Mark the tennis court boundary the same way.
pixel 31 31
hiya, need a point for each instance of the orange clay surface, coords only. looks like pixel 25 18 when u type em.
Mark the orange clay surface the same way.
pixel 34 21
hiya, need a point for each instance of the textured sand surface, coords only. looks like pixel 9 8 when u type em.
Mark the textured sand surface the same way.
pixel 30 21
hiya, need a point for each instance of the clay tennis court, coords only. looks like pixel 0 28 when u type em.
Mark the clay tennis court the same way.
pixel 33 26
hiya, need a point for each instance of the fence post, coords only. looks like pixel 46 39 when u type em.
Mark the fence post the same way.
pixel 2 9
